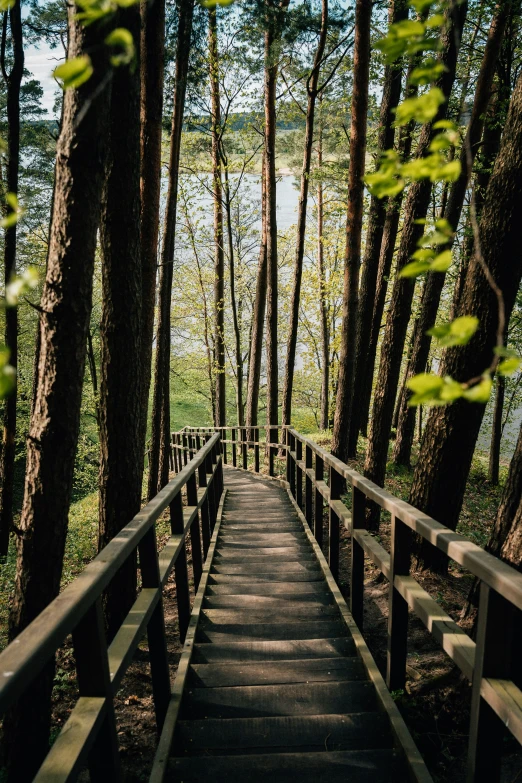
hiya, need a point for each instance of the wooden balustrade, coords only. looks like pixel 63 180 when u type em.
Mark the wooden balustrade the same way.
pixel 89 735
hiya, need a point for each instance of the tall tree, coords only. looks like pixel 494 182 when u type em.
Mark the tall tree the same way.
pixel 219 252
pixel 160 425
pixel 451 432
pixel 415 210
pixel 64 321
pixel 321 274
pixel 376 222
pixel 13 80
pixel 312 85
pixel 354 221
pixel 121 446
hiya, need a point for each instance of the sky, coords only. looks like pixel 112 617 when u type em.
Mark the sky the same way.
pixel 41 62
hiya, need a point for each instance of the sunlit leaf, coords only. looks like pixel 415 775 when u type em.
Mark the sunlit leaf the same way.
pixel 425 387
pixel 422 108
pixel 122 42
pixel 481 391
pixel 414 268
pixel 509 366
pixel 21 285
pixel 74 72
pixel 457 332
pixel 442 262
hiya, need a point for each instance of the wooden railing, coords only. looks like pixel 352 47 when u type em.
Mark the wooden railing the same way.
pixel 89 735
pixel 318 482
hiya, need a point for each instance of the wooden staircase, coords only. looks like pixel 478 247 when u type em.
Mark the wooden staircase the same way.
pixel 278 686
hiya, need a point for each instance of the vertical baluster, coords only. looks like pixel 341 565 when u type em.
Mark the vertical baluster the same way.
pixel 92 667
pixel 180 567
pixel 255 435
pixel 185 448
pixel 234 448
pixel 497 620
pixel 205 511
pixel 309 510
pixel 212 507
pixel 224 445
pixel 291 463
pixel 299 472
pixel 357 566
pixel 159 663
pixel 318 504
pixel 336 487
pixel 245 448
pixel 195 538
pixel 271 451
pixel 400 561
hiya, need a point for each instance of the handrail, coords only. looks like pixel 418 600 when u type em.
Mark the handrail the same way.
pixel 77 610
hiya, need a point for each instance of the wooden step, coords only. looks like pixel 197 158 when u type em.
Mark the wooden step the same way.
pixel 353 731
pixel 247 615
pixel 228 632
pixel 284 650
pixel 251 701
pixel 365 766
pixel 274 672
pixel 288 589
pixel 267 567
pixel 277 603
pixel 281 576
pixel 264 555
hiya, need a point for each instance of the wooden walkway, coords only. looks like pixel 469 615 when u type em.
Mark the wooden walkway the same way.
pixel 280 684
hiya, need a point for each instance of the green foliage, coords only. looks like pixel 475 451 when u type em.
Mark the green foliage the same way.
pixel 458 332
pixel 74 72
pixel 122 44
pixel 429 389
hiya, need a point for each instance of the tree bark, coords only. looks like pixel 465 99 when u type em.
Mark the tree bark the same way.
pixel 451 432
pixel 53 434
pixel 152 73
pixel 376 222
pixel 452 213
pixel 323 304
pixel 415 209
pixel 160 425
pixel 496 432
pixel 121 402
pixel 219 254
pixel 233 303
pixel 7 463
pixel 312 85
pixel 258 317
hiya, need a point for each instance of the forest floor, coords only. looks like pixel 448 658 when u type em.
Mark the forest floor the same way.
pixel 435 703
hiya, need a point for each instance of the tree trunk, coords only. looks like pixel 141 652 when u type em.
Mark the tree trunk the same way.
pixel 312 84
pixel 323 304
pixel 219 254
pixel 354 220
pixel 258 316
pixel 160 425
pixel 416 207
pixel 376 222
pixel 496 432
pixel 55 420
pixel 233 303
pixel 152 72
pixel 121 409
pixel 451 432
pixel 7 464
pixel 452 213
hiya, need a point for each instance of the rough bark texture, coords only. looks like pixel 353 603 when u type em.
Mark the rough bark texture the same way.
pixel 121 446
pixel 53 433
pixel 376 221
pixel 312 85
pixel 323 304
pixel 450 435
pixel 416 207
pixel 258 317
pixel 152 72
pixel 219 254
pixel 235 306
pixel 508 514
pixel 452 213
pixel 354 221
pixel 496 432
pixel 160 424
pixel 14 79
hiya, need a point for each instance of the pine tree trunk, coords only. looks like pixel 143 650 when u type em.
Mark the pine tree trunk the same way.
pixel 258 317
pixel 121 409
pixel 415 209
pixel 7 461
pixel 354 220
pixel 451 432
pixel 233 302
pixel 323 304
pixel 496 432
pixel 376 223
pixel 152 72
pixel 452 213
pixel 312 85
pixel 160 424
pixel 53 433
pixel 219 254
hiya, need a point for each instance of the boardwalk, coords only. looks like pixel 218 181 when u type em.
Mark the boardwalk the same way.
pixel 277 688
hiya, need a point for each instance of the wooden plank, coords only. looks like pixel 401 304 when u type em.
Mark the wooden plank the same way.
pixel 256 568
pixel 131 632
pixel 274 672
pixel 310 576
pixel 278 603
pixel 227 632
pixel 256 614
pixel 505 699
pixel 266 588
pixel 274 650
pixel 342 512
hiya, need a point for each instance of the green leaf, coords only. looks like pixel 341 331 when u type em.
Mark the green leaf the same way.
pixel 481 391
pixel 450 171
pixel 445 125
pixel 122 42
pixel 414 268
pixel 7 373
pixel 425 387
pixel 5 5
pixel 74 72
pixel 15 213
pixel 452 390
pixel 422 108
pixel 20 285
pixel 457 332
pixel 437 20
pixel 442 262
pixel 428 72
pixel 509 366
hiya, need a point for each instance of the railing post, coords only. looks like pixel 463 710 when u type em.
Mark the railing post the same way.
pixel 159 662
pixel 92 668
pixel 255 431
pixel 400 561
pixel 271 451
pixel 291 458
pixel 185 448
pixel 205 512
pixel 299 472
pixel 244 448
pixel 234 448
pixel 195 538
pixel 212 504
pixel 336 487
pixel 174 453
pixel 318 504
pixel 289 438
pixel 357 566
pixel 180 567
pixel 224 445
pixel 309 509
pixel 496 622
